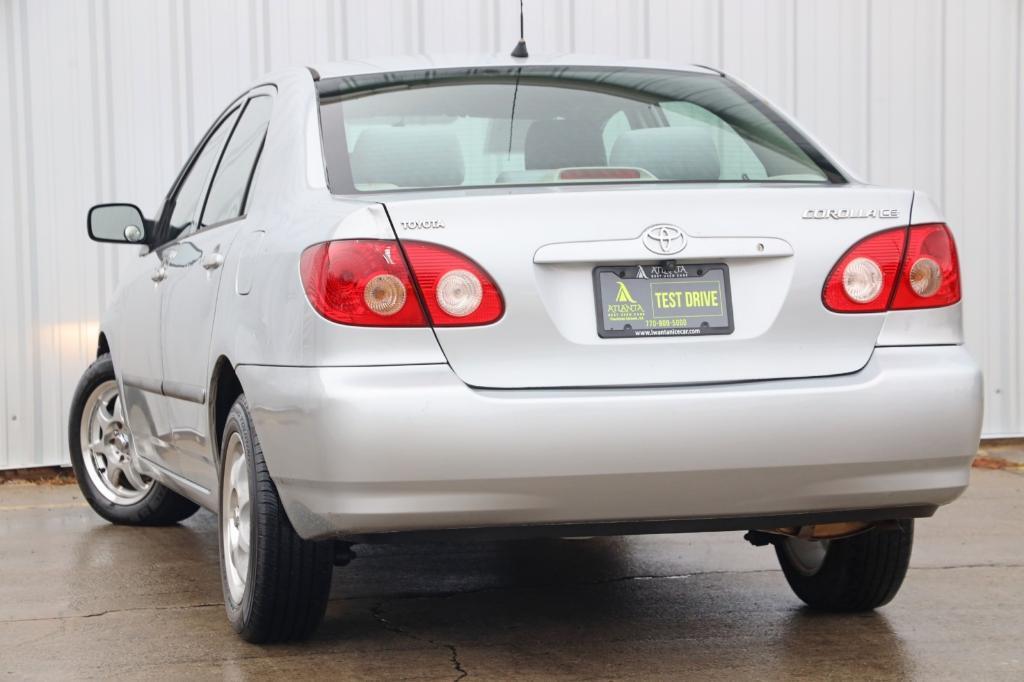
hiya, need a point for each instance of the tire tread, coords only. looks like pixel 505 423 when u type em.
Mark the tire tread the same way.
pixel 859 573
pixel 289 585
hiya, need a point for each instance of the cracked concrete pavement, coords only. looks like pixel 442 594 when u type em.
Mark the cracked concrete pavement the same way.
pixel 80 598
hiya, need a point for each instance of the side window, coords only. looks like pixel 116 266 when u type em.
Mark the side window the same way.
pixel 190 191
pixel 234 174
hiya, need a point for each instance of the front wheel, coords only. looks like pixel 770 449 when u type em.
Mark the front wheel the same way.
pixel 102 457
pixel 858 573
pixel 275 583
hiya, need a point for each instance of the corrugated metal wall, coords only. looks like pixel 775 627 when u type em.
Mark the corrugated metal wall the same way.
pixel 103 100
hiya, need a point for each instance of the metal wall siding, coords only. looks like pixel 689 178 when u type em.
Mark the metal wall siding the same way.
pixel 107 97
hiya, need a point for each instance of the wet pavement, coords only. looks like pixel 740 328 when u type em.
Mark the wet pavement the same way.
pixel 81 598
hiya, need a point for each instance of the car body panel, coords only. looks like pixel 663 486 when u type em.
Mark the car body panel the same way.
pixel 189 302
pixel 132 329
pixel 542 249
pixel 444 455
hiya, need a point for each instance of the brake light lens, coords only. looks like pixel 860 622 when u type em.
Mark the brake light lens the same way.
pixel 456 290
pixel 599 174
pixel 899 269
pixel 931 270
pixel 863 279
pixel 369 283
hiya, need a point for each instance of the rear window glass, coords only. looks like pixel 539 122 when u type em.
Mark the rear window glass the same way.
pixel 538 125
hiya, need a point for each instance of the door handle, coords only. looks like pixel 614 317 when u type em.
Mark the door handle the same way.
pixel 159 275
pixel 212 261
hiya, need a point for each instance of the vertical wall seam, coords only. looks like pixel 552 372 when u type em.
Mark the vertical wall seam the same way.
pixel 721 36
pixel 189 98
pixel 254 43
pixel 496 16
pixel 795 27
pixel 180 152
pixel 421 27
pixel 265 36
pixel 647 29
pixel 943 45
pixel 110 147
pixel 31 220
pixel 19 315
pixel 1019 211
pixel 869 84
pixel 99 179
pixel 572 26
pixel 345 52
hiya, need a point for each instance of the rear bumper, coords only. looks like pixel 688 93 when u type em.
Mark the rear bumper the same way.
pixel 357 451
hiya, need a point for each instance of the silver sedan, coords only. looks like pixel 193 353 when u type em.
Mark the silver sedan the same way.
pixel 526 296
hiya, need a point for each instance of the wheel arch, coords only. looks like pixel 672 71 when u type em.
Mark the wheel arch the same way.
pixel 225 388
pixel 102 345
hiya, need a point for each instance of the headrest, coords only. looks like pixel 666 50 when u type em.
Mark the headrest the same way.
pixel 561 144
pixel 680 153
pixel 407 157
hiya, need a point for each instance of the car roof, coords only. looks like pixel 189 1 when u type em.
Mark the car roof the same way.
pixel 419 62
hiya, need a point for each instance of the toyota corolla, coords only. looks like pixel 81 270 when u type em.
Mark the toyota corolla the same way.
pixel 521 297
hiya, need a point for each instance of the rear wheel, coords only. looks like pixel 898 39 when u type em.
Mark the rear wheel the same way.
pixel 857 573
pixel 275 583
pixel 103 460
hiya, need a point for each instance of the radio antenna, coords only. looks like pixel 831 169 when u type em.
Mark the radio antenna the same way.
pixel 520 50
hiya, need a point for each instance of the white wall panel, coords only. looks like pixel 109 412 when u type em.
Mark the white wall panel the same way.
pixel 105 98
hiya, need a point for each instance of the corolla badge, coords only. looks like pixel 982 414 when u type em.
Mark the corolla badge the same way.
pixel 664 239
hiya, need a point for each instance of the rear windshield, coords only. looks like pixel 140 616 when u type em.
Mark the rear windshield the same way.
pixel 542 125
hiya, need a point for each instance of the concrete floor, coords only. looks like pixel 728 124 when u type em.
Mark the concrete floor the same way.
pixel 81 598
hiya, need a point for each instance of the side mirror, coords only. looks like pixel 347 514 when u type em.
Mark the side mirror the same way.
pixel 117 223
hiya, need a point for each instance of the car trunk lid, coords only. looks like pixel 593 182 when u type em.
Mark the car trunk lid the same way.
pixel 542 248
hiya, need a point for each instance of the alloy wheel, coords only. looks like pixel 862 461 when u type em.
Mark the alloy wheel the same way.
pixel 235 517
pixel 106 446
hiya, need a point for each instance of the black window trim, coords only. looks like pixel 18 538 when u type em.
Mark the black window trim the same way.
pixel 167 207
pixel 252 172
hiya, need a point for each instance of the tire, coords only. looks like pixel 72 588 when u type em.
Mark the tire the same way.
pixel 287 580
pixel 101 457
pixel 858 573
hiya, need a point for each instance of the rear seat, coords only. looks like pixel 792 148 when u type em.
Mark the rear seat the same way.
pixel 679 153
pixel 407 157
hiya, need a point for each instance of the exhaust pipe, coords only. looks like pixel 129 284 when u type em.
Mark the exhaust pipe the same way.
pixel 818 531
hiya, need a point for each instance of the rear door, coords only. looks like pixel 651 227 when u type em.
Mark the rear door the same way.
pixel 195 264
pixel 542 249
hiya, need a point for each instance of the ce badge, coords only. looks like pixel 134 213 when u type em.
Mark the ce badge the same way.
pixel 664 239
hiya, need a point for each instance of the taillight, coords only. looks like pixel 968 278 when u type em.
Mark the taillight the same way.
pixel 931 273
pixel 361 282
pixel 898 269
pixel 457 291
pixel 367 282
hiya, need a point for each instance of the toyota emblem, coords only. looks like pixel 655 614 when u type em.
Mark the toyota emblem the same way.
pixel 664 239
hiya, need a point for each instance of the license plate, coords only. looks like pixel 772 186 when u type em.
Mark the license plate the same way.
pixel 657 300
